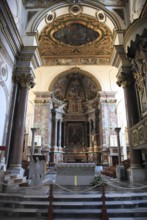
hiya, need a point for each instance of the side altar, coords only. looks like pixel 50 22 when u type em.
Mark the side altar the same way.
pixel 75 174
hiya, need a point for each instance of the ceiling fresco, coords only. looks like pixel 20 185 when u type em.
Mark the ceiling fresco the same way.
pixel 74 40
pixel 76 34
pixel 44 3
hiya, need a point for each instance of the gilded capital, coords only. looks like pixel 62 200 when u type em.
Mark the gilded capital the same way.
pixel 125 79
pixel 24 80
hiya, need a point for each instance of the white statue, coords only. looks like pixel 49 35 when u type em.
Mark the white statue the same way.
pixel 36 172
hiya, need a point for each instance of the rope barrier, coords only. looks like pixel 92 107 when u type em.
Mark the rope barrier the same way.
pixel 128 188
pixel 104 180
pixel 77 191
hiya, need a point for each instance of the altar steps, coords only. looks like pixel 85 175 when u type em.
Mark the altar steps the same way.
pixel 12 182
pixel 68 206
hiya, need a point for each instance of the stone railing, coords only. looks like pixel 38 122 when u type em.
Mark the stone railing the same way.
pixel 139 134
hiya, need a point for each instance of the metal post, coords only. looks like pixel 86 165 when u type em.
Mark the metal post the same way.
pixel 104 215
pixel 50 208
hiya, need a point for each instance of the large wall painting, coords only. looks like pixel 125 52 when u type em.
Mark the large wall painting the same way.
pixel 75 134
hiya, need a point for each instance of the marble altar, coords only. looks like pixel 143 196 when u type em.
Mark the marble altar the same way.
pixel 74 173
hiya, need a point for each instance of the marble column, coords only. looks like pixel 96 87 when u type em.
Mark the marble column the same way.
pixel 55 132
pixel 60 133
pixel 24 83
pixel 126 80
pixel 65 134
pixel 90 134
pixel 32 146
pixel 85 136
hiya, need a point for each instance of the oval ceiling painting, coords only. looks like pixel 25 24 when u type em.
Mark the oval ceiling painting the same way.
pixel 76 34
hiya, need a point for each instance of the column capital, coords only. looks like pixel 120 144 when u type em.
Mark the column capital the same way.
pixel 24 79
pixel 125 79
pixel 117 130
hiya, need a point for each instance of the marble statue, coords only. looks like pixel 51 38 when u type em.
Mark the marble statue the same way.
pixel 36 172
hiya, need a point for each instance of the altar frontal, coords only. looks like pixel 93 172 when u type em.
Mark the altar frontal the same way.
pixel 75 173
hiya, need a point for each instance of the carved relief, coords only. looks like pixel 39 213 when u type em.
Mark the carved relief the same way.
pixel 135 138
pixel 141 135
pixel 3 71
pixel 140 67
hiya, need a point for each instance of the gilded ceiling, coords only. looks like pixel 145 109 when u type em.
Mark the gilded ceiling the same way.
pixel 74 40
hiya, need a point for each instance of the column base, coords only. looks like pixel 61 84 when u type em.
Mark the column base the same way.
pixel 16 169
pixel 136 174
pixel 121 173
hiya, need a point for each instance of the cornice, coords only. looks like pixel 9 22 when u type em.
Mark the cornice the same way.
pixel 9 29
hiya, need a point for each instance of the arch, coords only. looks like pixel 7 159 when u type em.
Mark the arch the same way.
pixel 77 70
pixel 38 21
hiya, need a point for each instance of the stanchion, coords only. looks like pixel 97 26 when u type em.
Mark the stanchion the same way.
pixel 104 215
pixel 50 208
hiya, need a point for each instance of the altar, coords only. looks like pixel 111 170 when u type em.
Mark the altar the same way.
pixel 75 174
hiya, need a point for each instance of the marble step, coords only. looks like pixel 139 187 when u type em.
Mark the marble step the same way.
pixel 44 218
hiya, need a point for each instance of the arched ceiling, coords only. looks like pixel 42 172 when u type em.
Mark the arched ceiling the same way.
pixel 71 37
pixel 75 32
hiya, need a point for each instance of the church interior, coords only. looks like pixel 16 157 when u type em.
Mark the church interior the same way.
pixel 73 87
